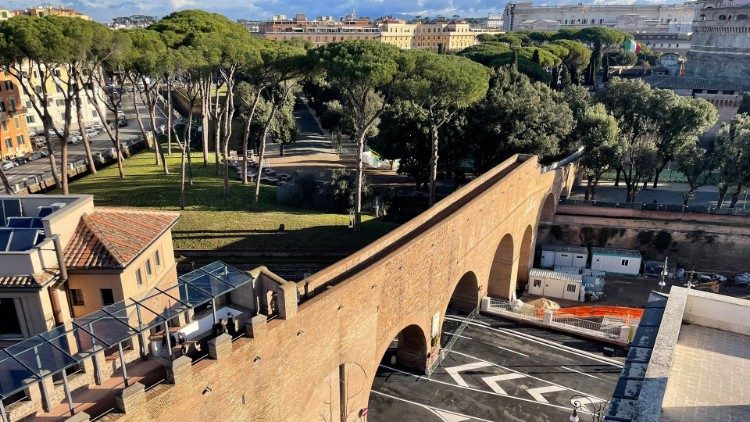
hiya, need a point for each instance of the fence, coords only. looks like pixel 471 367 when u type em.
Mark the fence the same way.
pixel 609 329
pixel 455 334
pixel 642 206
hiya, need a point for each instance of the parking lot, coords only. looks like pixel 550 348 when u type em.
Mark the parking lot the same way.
pixel 498 370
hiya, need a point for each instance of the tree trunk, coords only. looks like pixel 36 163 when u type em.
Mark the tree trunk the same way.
pixel 617 177
pixel 152 117
pixel 140 122
pixel 205 110
pixel 217 133
pixel 245 158
pixel 589 183
pixel 182 171
pixel 722 194
pixel 64 165
pixel 658 173
pixel 53 163
pixel 229 110
pixel 6 182
pixel 169 116
pixel 262 153
pixel 82 129
pixel 736 195
pixel 188 139
pixel 645 183
pixel 360 177
pixel 434 140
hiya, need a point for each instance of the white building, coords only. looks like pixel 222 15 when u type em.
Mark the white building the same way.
pixel 554 284
pixel 563 256
pixel 626 17
pixel 616 261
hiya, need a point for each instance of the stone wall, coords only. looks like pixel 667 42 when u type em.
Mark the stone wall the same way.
pixel 705 243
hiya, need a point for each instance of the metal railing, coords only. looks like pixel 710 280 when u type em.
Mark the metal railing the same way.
pixel 455 335
pixel 642 206
pixel 559 319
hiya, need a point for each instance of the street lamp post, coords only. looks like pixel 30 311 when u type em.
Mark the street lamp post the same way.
pixel 580 402
pixel 664 274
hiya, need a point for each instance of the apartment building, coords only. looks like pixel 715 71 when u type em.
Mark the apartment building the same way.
pixel 439 35
pixel 56 101
pixel 49 10
pixel 134 21
pixel 14 135
pixel 6 14
pixel 62 257
pixel 625 17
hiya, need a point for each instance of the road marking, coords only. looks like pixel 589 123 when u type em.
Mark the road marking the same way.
pixel 543 341
pixel 513 351
pixel 582 373
pixel 493 380
pixel 518 372
pixel 536 393
pixel 454 370
pixel 477 390
pixel 456 335
pixel 445 415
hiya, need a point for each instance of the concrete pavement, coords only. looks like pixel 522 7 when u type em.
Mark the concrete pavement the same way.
pixel 498 371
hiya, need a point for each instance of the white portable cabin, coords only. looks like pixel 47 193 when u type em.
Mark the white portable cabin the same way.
pixel 564 256
pixel 554 284
pixel 616 261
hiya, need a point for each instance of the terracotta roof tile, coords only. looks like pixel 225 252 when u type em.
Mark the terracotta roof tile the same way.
pixel 112 238
pixel 27 281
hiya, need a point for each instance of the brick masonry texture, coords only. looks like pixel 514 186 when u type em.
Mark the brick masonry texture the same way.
pixel 350 312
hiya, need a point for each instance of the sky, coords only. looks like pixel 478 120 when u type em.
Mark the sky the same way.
pixel 105 10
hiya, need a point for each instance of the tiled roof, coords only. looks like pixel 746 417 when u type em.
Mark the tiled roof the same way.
pixel 112 238
pixel 26 281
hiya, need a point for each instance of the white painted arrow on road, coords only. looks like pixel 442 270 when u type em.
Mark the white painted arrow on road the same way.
pixel 454 370
pixel 536 393
pixel 446 416
pixel 493 380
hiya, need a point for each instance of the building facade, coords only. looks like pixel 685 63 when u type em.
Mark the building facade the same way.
pixel 631 18
pixel 134 21
pixel 720 47
pixel 438 35
pixel 73 258
pixel 48 10
pixel 669 42
pixel 14 135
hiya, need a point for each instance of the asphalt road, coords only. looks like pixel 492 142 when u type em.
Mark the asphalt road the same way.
pixel 99 143
pixel 498 370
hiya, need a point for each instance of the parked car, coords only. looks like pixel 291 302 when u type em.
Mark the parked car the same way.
pixel 74 139
pixel 7 165
pixel 31 156
pixel 743 278
pixel 20 160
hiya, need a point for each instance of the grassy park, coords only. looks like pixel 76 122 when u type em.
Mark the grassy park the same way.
pixel 213 221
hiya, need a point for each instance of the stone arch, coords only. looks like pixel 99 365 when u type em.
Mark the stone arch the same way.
pixel 526 256
pixel 503 270
pixel 465 296
pixel 548 208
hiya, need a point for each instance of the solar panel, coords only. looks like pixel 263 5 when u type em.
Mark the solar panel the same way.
pixel 19 222
pixel 23 239
pixel 4 239
pixel 12 207
pixel 45 211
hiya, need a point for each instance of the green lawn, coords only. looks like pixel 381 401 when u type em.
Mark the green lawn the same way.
pixel 213 221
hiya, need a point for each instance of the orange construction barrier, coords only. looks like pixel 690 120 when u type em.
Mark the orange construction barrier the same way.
pixel 603 311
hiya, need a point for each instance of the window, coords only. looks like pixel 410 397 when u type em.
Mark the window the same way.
pixel 4 124
pixel 157 259
pixel 77 296
pixel 20 140
pixel 624 263
pixel 8 86
pixel 2 105
pixel 59 102
pixel 138 278
pixel 108 297
pixel 571 288
pixel 29 118
pixel 149 270
pixel 8 143
pixel 537 283
pixel 16 123
pixel 12 104
pixel 93 113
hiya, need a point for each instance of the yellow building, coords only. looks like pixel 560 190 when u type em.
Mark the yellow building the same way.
pixel 48 10
pixel 14 135
pixel 439 36
pixel 6 14
pixel 75 258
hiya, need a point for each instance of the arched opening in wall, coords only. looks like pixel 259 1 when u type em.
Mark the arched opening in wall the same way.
pixel 407 352
pixel 502 273
pixel 548 209
pixel 465 297
pixel 526 259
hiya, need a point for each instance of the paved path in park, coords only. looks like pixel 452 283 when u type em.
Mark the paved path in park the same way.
pixel 313 153
pixel 666 193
